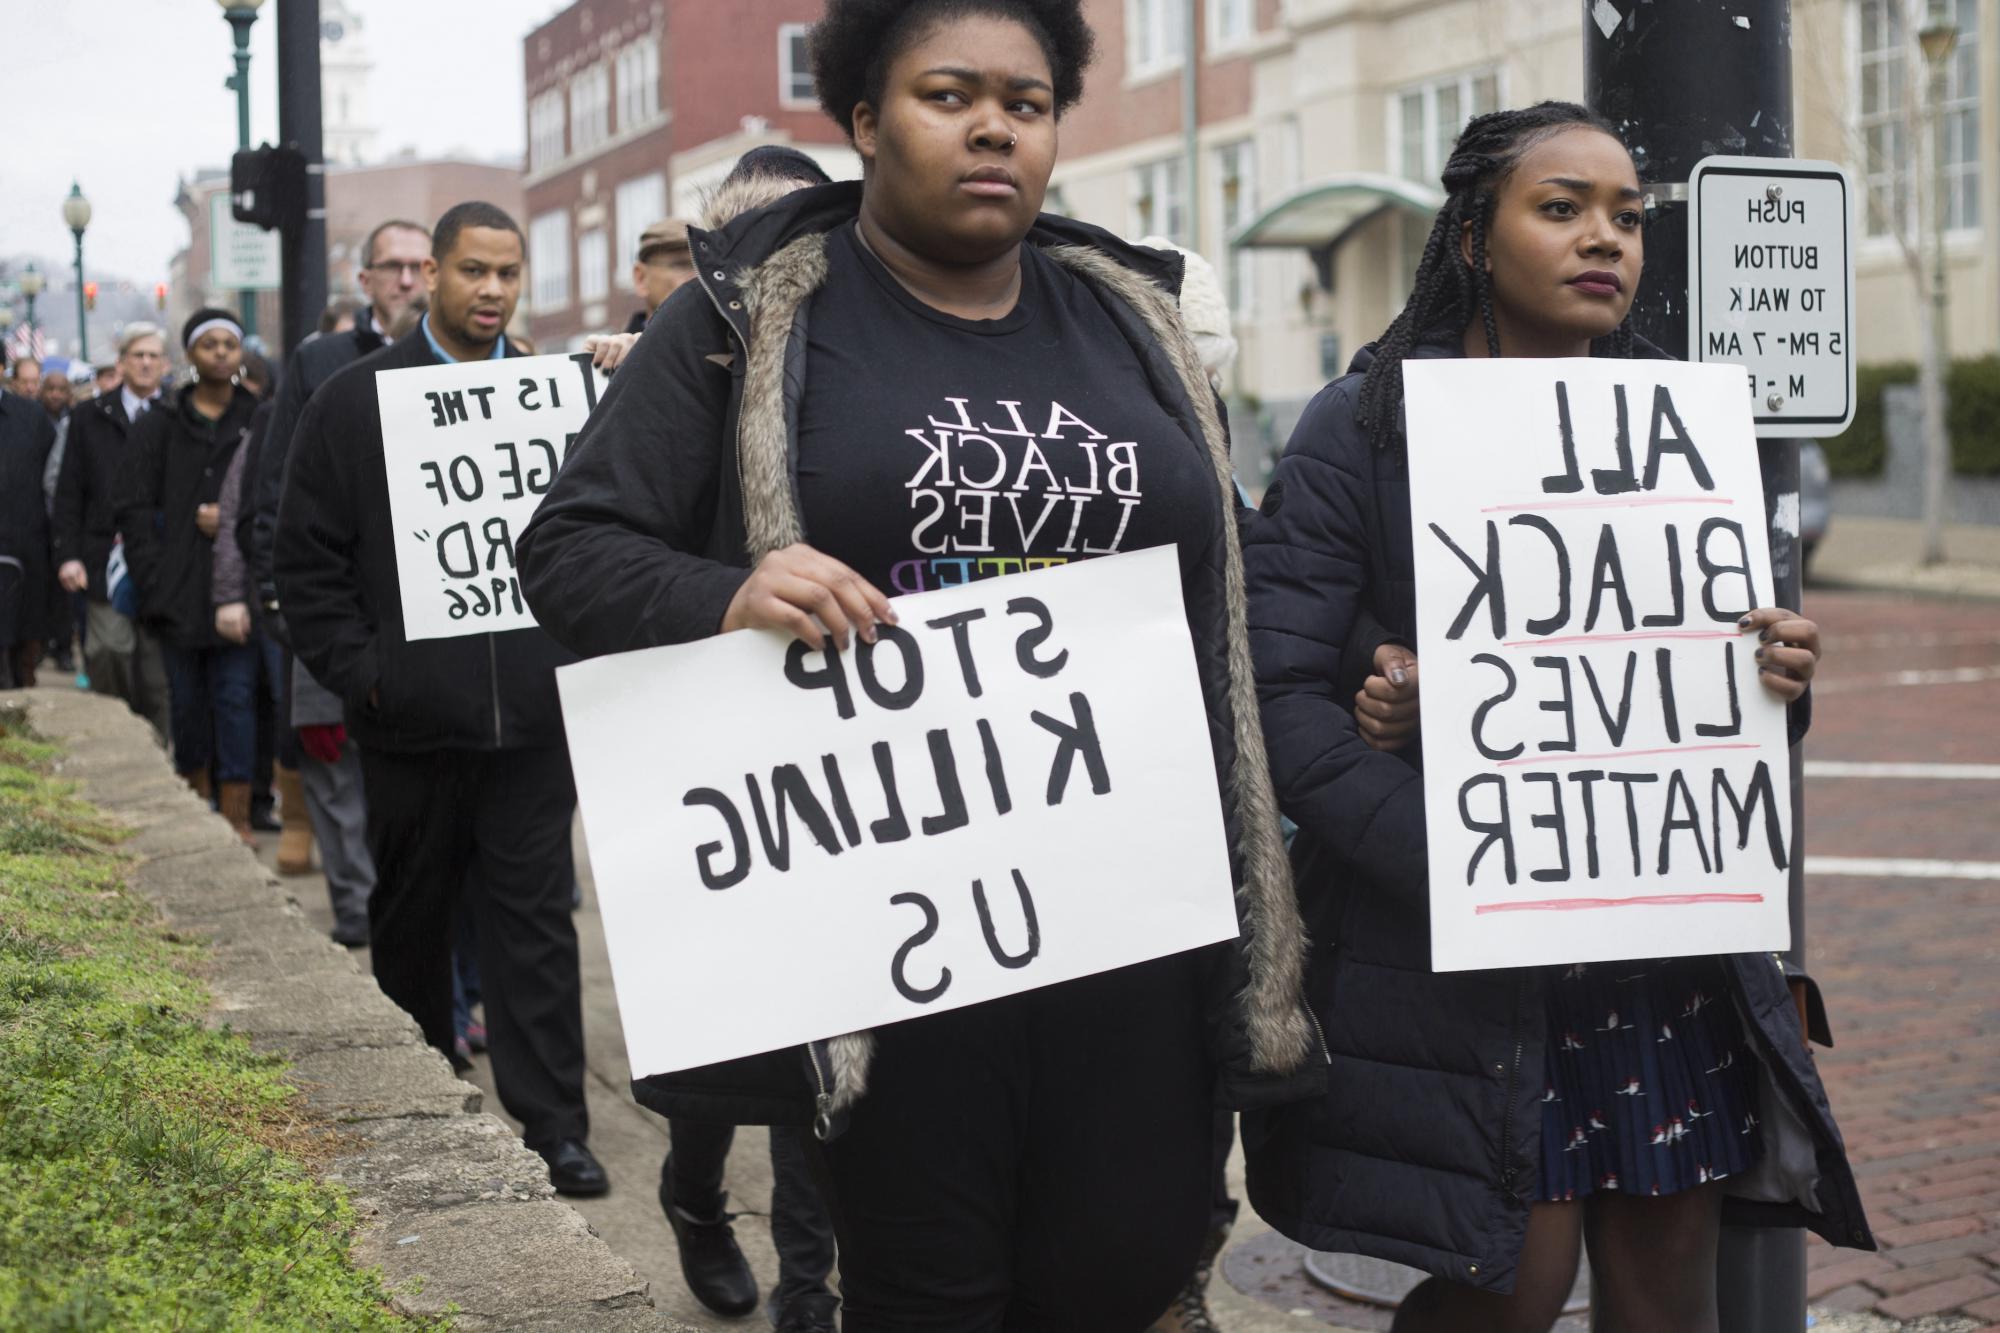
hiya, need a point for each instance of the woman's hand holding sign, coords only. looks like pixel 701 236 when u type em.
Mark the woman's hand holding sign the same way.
pixel 798 590
pixel 1386 707
pixel 1790 653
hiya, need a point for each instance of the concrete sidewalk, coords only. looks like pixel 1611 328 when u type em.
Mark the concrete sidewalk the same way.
pixel 1883 554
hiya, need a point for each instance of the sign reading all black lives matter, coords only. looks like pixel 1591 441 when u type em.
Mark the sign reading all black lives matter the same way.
pixel 1604 774
pixel 470 449
pixel 1014 787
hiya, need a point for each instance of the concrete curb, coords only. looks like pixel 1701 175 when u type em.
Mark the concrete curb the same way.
pixel 445 1191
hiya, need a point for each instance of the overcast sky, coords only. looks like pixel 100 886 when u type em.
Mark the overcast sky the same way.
pixel 126 96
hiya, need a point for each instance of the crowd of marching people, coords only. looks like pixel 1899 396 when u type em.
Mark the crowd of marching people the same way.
pixel 222 555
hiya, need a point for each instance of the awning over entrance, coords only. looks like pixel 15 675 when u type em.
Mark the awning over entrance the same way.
pixel 1321 216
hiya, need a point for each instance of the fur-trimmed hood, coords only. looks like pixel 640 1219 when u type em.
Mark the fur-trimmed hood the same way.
pixel 761 270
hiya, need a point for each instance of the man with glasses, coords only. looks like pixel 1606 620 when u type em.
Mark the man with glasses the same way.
pixel 392 277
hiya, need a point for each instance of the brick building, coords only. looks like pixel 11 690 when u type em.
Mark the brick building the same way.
pixel 357 198
pixel 634 107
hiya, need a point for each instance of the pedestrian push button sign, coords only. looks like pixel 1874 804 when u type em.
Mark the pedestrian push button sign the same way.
pixel 1770 286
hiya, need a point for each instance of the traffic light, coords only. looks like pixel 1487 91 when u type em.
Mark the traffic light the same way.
pixel 160 295
pixel 267 186
pixel 90 296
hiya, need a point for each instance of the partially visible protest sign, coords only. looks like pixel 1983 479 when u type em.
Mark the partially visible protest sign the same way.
pixel 1604 774
pixel 1012 788
pixel 470 449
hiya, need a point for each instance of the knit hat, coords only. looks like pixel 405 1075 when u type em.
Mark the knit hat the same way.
pixel 1204 312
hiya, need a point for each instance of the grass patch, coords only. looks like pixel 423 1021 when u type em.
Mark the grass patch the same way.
pixel 152 1171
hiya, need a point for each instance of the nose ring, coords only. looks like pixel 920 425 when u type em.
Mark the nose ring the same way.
pixel 1013 139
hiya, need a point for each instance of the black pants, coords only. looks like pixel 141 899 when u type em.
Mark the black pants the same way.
pixel 498 824
pixel 800 1228
pixel 1037 1163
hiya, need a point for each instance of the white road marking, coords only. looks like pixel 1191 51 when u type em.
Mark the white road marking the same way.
pixel 1890 680
pixel 1896 867
pixel 1842 768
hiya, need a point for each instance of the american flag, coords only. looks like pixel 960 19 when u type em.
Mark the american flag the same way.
pixel 26 342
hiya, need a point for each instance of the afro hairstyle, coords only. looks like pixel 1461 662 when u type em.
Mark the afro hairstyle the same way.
pixel 853 46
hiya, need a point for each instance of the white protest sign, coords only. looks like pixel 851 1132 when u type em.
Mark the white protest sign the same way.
pixel 1013 788
pixel 470 449
pixel 1605 776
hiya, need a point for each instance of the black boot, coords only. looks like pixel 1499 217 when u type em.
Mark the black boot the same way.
pixel 712 1264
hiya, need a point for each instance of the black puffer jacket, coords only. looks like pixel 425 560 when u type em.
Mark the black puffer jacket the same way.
pixel 178 460
pixel 336 569
pixel 1426 1148
pixel 684 476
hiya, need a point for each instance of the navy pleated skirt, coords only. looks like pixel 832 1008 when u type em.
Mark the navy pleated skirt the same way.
pixel 1651 1086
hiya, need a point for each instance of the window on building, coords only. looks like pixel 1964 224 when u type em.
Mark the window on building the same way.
pixel 548 261
pixel 1153 34
pixel 1891 70
pixel 1157 200
pixel 795 78
pixel 545 130
pixel 590 107
pixel 1231 22
pixel 593 265
pixel 1236 187
pixel 639 82
pixel 638 203
pixel 1426 120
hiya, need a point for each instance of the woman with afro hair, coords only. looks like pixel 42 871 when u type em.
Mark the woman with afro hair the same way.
pixel 1488 1126
pixel 822 421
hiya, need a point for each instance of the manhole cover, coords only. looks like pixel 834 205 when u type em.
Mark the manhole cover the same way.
pixel 1379 1282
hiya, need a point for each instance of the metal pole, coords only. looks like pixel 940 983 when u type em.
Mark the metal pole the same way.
pixel 1191 120
pixel 1683 81
pixel 304 242
pixel 239 23
pixel 82 324
pixel 1937 356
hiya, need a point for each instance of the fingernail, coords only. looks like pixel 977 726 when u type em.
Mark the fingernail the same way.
pixel 1743 623
pixel 1398 675
pixel 1765 637
pixel 1760 654
pixel 868 634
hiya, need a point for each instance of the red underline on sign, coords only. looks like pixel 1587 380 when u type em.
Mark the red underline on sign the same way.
pixel 1642 900
pixel 1622 637
pixel 1637 502
pixel 1561 758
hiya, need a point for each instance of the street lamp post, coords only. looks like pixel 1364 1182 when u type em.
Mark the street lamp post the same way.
pixel 241 14
pixel 1937 39
pixel 31 287
pixel 76 212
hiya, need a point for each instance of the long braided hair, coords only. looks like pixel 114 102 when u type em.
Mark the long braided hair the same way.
pixel 1448 293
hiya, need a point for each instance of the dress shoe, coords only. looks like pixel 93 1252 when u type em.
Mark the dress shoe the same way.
pixel 575 1171
pixel 712 1264
pixel 809 1314
pixel 351 934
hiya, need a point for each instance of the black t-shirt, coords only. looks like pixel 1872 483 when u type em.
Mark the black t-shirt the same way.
pixel 935 450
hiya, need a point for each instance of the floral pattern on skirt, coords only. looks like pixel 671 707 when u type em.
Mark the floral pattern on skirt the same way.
pixel 1650 1085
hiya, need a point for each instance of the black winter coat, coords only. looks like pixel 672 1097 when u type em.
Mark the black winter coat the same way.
pixel 335 562
pixel 26 436
pixel 1427 1147
pixel 177 461
pixel 685 474
pixel 87 491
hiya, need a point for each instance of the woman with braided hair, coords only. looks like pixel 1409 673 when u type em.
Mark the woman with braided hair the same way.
pixel 1488 1126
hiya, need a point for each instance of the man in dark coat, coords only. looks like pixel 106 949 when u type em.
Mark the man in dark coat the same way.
pixel 26 436
pixel 462 744
pixel 122 657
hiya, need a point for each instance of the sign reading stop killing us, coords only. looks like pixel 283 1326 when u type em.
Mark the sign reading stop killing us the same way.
pixel 470 449
pixel 1605 776
pixel 1013 787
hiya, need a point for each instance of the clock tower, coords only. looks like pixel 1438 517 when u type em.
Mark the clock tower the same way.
pixel 344 67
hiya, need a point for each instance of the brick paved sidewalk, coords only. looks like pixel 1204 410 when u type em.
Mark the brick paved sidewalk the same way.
pixel 1911 967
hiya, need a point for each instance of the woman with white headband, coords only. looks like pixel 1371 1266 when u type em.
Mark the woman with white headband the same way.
pixel 169 514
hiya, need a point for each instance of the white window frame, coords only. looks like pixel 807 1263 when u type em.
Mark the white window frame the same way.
pixel 790 75
pixel 1158 200
pixel 637 204
pixel 1236 266
pixel 546 129
pixel 593 265
pixel 1153 32
pixel 1231 23
pixel 639 82
pixel 1964 189
pixel 1435 136
pixel 590 107
pixel 549 261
